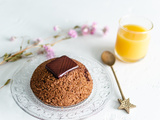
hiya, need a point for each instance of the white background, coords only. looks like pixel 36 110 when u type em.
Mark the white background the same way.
pixel 35 18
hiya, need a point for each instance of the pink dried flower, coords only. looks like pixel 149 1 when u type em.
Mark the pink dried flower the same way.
pixel 85 30
pixel 55 28
pixel 72 33
pixel 49 51
pixel 105 30
pixel 93 28
pixel 38 40
pixel 94 24
pixel 50 54
pixel 45 47
pixel 13 38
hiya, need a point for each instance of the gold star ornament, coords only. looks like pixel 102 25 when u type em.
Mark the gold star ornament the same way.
pixel 126 105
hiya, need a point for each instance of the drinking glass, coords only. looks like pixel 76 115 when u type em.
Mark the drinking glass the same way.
pixel 133 38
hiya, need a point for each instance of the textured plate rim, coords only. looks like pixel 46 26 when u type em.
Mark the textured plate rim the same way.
pixel 69 54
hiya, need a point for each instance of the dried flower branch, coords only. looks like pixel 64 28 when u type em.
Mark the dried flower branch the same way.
pixel 28 42
pixel 29 53
pixel 17 55
pixel 76 27
pixel 6 83
pixel 105 30
pixel 46 48
pixel 13 38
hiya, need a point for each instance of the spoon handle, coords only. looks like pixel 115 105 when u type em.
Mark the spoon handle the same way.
pixel 118 83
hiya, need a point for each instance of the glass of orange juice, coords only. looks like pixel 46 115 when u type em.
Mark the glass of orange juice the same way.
pixel 133 38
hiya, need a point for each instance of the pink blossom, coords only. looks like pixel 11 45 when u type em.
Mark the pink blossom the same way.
pixel 85 30
pixel 13 38
pixel 94 24
pixel 55 28
pixel 93 28
pixel 49 51
pixel 38 40
pixel 105 30
pixel 45 47
pixel 50 54
pixel 72 33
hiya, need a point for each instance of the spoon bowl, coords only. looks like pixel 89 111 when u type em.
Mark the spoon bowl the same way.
pixel 108 58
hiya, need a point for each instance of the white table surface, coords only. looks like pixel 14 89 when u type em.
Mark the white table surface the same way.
pixel 35 18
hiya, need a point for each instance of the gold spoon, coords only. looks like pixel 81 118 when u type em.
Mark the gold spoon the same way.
pixel 109 59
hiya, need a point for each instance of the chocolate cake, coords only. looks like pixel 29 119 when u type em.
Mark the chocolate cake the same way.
pixel 61 82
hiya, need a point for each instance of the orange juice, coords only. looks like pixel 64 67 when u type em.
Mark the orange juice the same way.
pixel 132 42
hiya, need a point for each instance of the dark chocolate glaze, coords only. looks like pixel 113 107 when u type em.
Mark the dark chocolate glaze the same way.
pixel 60 66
